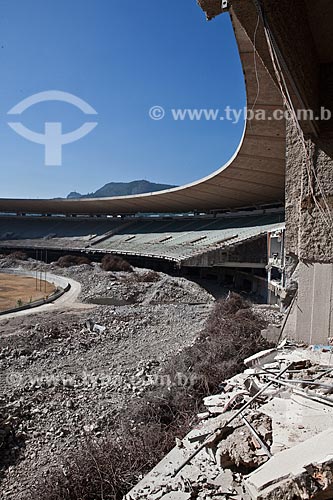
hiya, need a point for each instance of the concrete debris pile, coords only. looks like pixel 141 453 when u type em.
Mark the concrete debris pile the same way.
pixel 69 376
pixel 267 435
pixel 8 261
pixel 11 416
pixel 120 288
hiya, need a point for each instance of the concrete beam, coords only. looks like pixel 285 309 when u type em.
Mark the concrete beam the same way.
pixel 300 472
pixel 240 265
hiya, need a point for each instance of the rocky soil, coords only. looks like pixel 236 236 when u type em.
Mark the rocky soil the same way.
pixel 67 375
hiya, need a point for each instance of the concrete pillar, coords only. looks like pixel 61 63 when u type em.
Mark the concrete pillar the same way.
pixel 314 303
pixel 309 236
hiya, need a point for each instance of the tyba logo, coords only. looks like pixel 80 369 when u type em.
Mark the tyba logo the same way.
pixel 53 138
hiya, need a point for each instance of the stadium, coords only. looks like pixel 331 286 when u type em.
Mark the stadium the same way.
pixel 221 226
pixel 177 344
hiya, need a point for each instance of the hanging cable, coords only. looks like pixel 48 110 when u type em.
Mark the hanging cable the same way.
pixel 255 63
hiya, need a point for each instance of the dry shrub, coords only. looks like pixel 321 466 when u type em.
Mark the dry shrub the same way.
pixel 115 263
pixel 18 255
pixel 232 333
pixel 72 260
pixel 146 277
pixel 108 469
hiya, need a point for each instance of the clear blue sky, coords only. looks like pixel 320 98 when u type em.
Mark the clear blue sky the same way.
pixel 122 57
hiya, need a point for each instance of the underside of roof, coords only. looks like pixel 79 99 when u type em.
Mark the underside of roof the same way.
pixel 254 176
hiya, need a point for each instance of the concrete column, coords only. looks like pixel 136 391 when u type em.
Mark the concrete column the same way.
pixel 309 236
pixel 314 303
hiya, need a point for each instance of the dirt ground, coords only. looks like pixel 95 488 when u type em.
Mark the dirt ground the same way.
pixel 65 380
pixel 20 290
pixel 68 375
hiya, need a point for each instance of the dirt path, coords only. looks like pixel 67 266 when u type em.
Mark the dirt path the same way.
pixel 68 301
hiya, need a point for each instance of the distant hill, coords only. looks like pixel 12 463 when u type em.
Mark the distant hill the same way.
pixel 121 189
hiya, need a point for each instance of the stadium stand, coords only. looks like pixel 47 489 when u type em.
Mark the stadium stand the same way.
pixel 175 239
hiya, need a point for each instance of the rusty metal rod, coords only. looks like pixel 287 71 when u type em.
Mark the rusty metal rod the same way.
pixel 326 372
pixel 309 382
pixel 307 394
pixel 258 438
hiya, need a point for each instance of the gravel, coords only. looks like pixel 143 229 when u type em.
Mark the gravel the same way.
pixel 67 376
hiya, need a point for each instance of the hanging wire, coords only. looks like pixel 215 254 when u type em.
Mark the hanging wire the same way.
pixel 255 63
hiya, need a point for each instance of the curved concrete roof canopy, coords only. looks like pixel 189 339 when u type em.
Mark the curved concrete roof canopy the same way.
pixel 253 176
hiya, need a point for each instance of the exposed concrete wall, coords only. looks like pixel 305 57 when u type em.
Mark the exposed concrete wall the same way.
pixel 314 304
pixel 308 236
pixel 290 25
pixel 309 184
pixel 251 252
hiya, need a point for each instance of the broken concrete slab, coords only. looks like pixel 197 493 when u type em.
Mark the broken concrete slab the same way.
pixel 281 419
pixel 216 410
pixel 176 495
pixel 217 400
pixel 303 471
pixel 293 421
pixel 298 355
pixel 225 401
pixel 224 480
pixel 261 358
pixel 203 415
pixel 235 383
pixel 161 477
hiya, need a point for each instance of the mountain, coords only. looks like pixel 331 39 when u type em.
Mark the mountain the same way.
pixel 73 196
pixel 121 189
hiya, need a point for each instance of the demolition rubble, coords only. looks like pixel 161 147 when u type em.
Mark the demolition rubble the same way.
pixel 267 435
pixel 67 375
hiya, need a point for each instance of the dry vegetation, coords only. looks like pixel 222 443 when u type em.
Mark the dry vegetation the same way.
pixel 115 263
pixel 19 255
pixel 147 277
pixel 72 260
pixel 108 468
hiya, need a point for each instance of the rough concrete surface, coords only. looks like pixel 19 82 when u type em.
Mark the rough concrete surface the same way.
pixel 298 472
pixel 308 228
pixel 259 442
